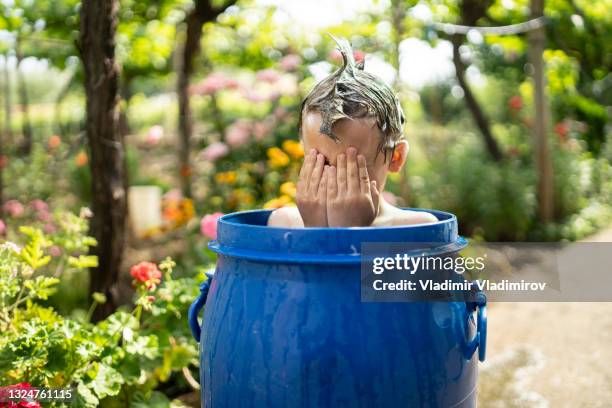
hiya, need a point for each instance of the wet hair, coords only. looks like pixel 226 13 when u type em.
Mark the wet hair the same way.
pixel 351 93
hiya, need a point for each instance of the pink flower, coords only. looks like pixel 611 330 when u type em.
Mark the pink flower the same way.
pixel 215 151
pixel 389 197
pixel 13 208
pixel 155 134
pixel 290 62
pixel 39 205
pixel 44 216
pixel 254 95
pixel 2 228
pixel 215 82
pixel 208 225
pixel 261 130
pixel 173 195
pixel 268 75
pixel 238 133
pixel 279 113
pixel 49 229
pixel 55 251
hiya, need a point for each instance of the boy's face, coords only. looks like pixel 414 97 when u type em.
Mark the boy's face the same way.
pixel 363 134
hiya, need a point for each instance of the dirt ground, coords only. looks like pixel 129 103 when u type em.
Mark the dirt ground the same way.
pixel 549 354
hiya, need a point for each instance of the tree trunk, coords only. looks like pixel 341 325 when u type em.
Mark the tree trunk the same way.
pixel 185 125
pixel 202 13
pixel 537 39
pixel 481 119
pixel 26 126
pixel 126 95
pixel 107 163
pixel 7 102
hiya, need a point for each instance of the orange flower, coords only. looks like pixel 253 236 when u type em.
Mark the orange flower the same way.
pixel 288 188
pixel 226 177
pixel 278 202
pixel 81 159
pixel 54 142
pixel 277 158
pixel 293 148
pixel 186 171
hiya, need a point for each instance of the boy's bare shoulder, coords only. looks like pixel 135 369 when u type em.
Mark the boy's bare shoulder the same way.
pixel 286 217
pixel 397 216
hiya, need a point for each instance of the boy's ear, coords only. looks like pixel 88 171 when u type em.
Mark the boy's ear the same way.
pixel 399 156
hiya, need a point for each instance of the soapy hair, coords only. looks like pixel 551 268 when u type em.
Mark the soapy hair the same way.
pixel 352 93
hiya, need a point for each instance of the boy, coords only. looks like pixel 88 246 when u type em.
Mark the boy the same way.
pixel 346 121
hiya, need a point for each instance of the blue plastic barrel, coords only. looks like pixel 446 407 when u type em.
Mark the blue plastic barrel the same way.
pixel 284 324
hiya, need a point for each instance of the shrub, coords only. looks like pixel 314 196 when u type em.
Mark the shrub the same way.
pixel 120 360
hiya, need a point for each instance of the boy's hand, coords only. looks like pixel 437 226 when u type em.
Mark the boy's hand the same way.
pixel 352 199
pixel 311 194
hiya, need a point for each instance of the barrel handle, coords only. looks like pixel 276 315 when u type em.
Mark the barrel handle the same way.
pixel 480 339
pixel 196 307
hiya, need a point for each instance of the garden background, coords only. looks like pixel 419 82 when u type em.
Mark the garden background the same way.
pixel 129 126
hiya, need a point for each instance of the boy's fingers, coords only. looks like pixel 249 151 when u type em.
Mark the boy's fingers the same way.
pixel 352 172
pixel 317 171
pixel 364 178
pixel 375 196
pixel 306 169
pixel 322 193
pixel 341 177
pixel 332 184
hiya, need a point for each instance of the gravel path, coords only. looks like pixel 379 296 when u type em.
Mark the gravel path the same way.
pixel 549 354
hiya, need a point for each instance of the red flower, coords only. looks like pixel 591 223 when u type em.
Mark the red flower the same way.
pixel 515 103
pixel 4 394
pixel 562 129
pixel 147 273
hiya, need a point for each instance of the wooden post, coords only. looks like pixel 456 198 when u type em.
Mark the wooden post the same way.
pixel 545 189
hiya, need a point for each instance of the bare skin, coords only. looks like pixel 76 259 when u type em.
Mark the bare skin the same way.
pixel 340 182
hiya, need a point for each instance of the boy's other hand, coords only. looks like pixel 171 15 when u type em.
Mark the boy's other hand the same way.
pixel 352 199
pixel 311 194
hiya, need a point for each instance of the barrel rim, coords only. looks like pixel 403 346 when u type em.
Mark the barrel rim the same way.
pixel 450 218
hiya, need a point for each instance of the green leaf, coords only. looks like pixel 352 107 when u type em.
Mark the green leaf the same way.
pixel 107 381
pixel 85 398
pixel 83 261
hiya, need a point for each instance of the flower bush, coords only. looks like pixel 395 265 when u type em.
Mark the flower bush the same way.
pixel 120 360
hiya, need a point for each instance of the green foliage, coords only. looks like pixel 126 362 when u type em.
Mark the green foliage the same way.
pixel 116 362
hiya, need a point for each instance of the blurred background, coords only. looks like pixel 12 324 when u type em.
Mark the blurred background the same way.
pixel 507 103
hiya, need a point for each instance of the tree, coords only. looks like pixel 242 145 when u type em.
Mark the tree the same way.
pixel 109 202
pixel 8 131
pixel 470 12
pixel 203 12
pixel 26 126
